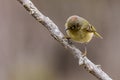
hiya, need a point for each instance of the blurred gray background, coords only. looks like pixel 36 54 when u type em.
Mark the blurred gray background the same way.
pixel 28 52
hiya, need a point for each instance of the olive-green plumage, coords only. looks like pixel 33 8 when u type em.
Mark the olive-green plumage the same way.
pixel 80 30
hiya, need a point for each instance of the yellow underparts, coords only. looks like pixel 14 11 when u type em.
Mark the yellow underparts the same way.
pixel 80 36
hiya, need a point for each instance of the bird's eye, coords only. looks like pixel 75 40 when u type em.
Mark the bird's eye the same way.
pixel 73 27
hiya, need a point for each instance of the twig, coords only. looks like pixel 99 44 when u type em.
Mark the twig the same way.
pixel 58 35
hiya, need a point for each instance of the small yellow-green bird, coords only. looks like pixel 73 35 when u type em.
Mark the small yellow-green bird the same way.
pixel 80 30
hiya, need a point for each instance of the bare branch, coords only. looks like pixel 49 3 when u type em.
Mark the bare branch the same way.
pixel 58 35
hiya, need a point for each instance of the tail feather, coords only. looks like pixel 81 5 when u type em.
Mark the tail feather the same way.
pixel 98 35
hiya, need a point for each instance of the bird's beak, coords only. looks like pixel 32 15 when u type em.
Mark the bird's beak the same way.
pixel 67 29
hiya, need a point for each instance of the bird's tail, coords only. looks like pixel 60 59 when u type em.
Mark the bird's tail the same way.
pixel 98 35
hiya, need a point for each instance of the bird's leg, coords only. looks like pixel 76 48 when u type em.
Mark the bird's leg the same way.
pixel 85 51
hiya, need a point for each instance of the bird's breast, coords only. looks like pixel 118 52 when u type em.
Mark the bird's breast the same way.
pixel 80 36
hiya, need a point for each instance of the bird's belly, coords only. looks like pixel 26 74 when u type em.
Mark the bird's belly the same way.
pixel 81 37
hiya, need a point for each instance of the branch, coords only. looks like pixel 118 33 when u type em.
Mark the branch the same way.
pixel 58 35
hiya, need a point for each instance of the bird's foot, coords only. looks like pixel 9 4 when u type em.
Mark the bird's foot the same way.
pixel 85 52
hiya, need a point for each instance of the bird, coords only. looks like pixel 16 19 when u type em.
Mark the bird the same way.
pixel 80 30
